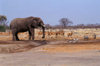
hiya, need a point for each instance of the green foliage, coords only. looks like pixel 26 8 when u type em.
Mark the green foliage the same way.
pixel 2 28
pixel 3 23
pixel 3 20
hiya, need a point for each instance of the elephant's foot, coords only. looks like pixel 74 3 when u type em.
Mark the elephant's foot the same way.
pixel 17 39
pixel 29 38
pixel 43 37
pixel 14 39
pixel 32 38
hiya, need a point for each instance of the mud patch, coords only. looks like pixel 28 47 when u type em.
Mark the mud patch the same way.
pixel 74 47
pixel 18 46
pixel 15 48
pixel 50 46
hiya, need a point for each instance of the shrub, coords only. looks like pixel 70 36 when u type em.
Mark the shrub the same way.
pixel 2 28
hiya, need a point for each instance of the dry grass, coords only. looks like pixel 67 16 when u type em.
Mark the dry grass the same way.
pixel 79 33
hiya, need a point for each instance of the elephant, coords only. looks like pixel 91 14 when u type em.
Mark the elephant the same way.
pixel 26 24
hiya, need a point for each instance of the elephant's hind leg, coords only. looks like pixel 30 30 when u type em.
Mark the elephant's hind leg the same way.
pixel 15 37
pixel 13 34
pixel 16 34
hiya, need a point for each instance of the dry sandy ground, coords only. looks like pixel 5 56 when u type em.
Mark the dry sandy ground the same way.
pixel 50 53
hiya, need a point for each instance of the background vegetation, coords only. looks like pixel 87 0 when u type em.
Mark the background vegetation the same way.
pixel 3 23
pixel 64 23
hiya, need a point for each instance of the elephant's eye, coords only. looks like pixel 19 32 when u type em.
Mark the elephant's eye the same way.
pixel 39 24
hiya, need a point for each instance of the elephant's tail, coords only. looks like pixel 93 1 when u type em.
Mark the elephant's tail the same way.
pixel 10 26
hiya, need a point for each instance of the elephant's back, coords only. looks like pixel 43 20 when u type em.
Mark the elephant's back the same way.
pixel 20 20
pixel 16 22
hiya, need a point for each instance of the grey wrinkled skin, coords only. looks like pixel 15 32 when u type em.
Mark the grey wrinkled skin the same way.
pixel 26 24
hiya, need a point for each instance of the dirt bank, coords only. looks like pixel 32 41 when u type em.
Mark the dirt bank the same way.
pixel 51 53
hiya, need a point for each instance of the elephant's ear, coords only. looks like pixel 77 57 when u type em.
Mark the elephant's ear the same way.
pixel 33 23
pixel 37 19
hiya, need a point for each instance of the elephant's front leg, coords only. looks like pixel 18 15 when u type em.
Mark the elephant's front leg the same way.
pixel 32 33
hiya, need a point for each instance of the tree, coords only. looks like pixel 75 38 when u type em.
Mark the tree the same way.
pixel 64 22
pixel 48 26
pixel 3 23
pixel 3 20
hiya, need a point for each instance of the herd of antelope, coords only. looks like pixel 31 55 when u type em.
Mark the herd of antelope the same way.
pixel 59 34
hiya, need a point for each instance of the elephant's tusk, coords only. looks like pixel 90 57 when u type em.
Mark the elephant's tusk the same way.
pixel 43 25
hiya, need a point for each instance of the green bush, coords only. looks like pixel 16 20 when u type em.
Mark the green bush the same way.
pixel 2 28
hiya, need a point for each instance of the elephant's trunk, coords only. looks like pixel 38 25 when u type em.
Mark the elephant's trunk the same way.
pixel 43 28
